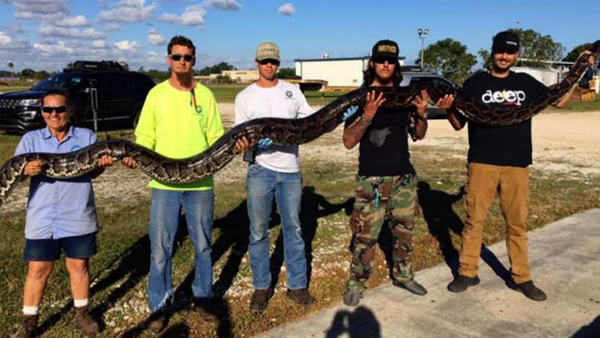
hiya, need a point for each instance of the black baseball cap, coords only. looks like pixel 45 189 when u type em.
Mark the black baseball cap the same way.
pixel 385 49
pixel 506 41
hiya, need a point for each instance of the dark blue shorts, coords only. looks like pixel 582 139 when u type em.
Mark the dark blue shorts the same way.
pixel 49 249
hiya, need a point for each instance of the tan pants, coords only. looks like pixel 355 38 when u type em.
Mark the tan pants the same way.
pixel 512 185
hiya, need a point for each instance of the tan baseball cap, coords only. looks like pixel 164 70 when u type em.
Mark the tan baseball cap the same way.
pixel 267 50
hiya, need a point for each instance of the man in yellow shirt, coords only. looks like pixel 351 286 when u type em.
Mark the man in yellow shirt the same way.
pixel 180 118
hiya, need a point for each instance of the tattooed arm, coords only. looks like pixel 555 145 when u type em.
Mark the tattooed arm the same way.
pixel 420 102
pixel 355 131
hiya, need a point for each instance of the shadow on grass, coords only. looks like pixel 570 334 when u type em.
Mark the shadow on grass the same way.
pixel 179 330
pixel 134 263
pixel 234 232
pixel 442 221
pixel 234 227
pixel 360 323
pixel 313 207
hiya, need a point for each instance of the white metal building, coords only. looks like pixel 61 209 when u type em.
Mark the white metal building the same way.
pixel 338 72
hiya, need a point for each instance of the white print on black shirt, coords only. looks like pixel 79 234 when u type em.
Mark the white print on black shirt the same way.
pixel 506 97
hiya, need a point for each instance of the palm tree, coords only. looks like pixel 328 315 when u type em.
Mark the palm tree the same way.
pixel 11 66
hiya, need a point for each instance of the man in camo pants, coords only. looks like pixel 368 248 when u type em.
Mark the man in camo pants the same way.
pixel 386 181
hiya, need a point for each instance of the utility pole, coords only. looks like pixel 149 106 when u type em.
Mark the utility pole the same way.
pixel 422 35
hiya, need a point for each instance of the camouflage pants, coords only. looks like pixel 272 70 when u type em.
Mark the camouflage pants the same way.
pixel 397 203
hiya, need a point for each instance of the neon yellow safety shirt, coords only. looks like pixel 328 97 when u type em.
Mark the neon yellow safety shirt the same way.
pixel 175 126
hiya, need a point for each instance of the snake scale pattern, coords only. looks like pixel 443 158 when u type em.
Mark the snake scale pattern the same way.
pixel 281 131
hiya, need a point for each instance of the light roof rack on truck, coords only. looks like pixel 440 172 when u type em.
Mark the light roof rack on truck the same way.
pixel 83 65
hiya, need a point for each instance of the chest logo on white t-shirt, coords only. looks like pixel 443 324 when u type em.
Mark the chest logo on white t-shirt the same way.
pixel 289 94
pixel 505 97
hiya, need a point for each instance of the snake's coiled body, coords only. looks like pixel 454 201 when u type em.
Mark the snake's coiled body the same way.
pixel 281 131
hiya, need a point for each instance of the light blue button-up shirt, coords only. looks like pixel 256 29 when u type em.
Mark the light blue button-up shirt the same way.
pixel 59 208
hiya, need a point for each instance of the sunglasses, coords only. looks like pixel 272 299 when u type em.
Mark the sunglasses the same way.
pixel 186 57
pixel 267 61
pixel 382 60
pixel 59 109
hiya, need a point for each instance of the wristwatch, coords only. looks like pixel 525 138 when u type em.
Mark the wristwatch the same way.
pixel 365 121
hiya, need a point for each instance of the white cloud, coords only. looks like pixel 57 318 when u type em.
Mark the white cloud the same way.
pixel 192 16
pixel 16 28
pixel 5 39
pixel 128 11
pixel 112 27
pixel 155 39
pixel 41 9
pixel 169 17
pixel 225 5
pixel 55 49
pixel 68 32
pixel 12 43
pixel 99 44
pixel 73 21
pixel 287 9
pixel 127 45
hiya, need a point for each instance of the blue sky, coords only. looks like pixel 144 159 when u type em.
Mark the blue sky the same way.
pixel 47 34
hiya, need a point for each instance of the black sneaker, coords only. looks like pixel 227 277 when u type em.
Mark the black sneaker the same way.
pixel 300 296
pixel 260 298
pixel 528 289
pixel 352 297
pixel 462 283
pixel 411 286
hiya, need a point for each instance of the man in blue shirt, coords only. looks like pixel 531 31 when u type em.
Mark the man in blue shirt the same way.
pixel 61 215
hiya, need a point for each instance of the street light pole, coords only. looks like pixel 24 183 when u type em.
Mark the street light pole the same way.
pixel 422 35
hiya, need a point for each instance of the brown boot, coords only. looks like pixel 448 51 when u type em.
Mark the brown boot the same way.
pixel 85 323
pixel 260 299
pixel 300 296
pixel 158 321
pixel 27 327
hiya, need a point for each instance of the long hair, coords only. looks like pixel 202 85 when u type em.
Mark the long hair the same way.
pixel 369 74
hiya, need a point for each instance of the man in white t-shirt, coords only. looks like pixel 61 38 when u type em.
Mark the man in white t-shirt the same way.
pixel 274 172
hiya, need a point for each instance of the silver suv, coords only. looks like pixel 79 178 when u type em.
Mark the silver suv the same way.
pixel 418 78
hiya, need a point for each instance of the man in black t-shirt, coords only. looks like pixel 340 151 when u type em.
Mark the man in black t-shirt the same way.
pixel 498 161
pixel 386 180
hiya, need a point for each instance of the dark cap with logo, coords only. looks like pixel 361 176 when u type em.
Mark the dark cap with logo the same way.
pixel 506 42
pixel 385 48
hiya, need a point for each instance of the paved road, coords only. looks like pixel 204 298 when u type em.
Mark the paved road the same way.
pixel 565 263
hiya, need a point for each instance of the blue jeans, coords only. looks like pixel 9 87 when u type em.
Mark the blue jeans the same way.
pixel 164 220
pixel 262 185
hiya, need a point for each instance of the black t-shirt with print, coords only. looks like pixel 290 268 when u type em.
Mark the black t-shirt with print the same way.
pixel 508 145
pixel 383 149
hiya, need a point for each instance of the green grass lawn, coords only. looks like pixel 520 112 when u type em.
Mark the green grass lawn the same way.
pixel 583 106
pixel 227 93
pixel 10 89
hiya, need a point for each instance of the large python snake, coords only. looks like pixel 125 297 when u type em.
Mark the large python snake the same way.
pixel 281 131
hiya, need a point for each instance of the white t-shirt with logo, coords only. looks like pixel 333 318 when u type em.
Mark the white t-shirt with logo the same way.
pixel 285 100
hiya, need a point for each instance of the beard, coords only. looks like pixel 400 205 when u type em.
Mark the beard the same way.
pixel 384 80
